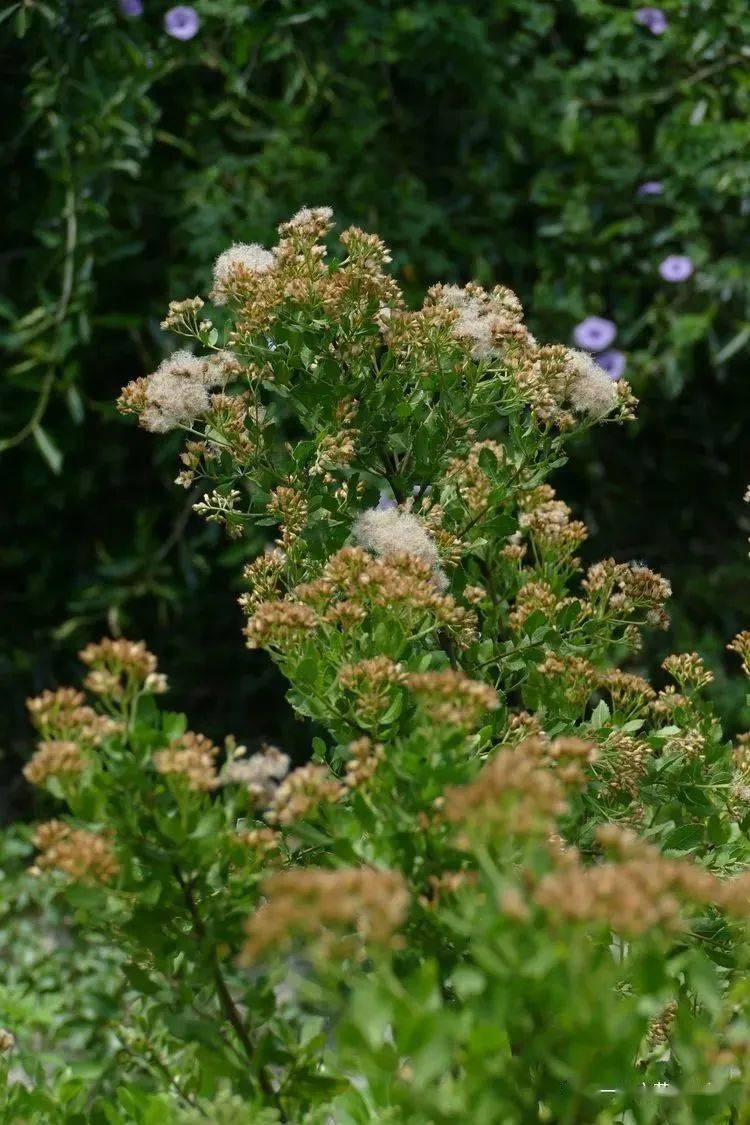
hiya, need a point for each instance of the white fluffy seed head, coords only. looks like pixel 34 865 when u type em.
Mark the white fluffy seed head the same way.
pixel 177 392
pixel 591 390
pixel 240 259
pixel 387 531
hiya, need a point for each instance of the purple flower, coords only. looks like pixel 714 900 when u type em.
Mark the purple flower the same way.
pixel 650 187
pixel 131 7
pixel 595 333
pixel 652 18
pixel 613 362
pixel 676 267
pixel 182 22
pixel 385 502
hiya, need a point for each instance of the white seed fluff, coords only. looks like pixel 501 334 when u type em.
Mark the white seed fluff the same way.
pixel 591 390
pixel 386 531
pixel 241 258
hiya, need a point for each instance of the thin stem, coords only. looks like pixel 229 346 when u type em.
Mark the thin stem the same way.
pixel 227 1004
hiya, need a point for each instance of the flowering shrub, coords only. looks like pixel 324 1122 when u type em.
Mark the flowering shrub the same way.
pixel 527 141
pixel 512 882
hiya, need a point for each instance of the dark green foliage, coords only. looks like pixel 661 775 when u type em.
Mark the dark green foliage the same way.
pixel 503 139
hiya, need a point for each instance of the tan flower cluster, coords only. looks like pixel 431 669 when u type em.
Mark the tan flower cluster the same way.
pixel 473 483
pixel 451 697
pixel 364 758
pixel 575 675
pixel 626 761
pixel 182 316
pixel 280 625
pixel 660 1026
pixel 264 841
pixel 422 336
pixel 691 744
pixel 514 793
pixel 191 756
pixel 371 681
pixel 120 667
pixel 360 284
pixel 263 575
pixel 353 584
pixel 236 270
pixel 668 703
pixel 319 904
pixel 741 645
pixel 54 758
pixel 628 691
pixel 637 891
pixel 84 856
pixel 551 527
pixel 194 454
pixel 688 669
pixel 302 791
pixel 623 588
pixel 7 1041
pixel 239 420
pixel 535 597
pixel 523 725
pixel 569 757
pixel 289 506
pixel 64 714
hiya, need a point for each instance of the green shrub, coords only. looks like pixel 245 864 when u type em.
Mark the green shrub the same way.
pixel 512 883
pixel 489 140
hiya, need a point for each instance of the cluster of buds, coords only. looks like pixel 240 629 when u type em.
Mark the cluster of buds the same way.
pixel 301 792
pixel 689 670
pixel 120 669
pixel 289 506
pixel 321 904
pixel 64 715
pixel 514 794
pixel 741 645
pixel 452 698
pixel 625 588
pixel 84 856
pixel 191 757
pixel 371 683
pixel 54 758
pixel 629 692
pixel 535 597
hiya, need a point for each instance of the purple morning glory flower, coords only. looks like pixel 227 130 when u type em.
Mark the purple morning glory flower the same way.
pixel 613 362
pixel 676 267
pixel 182 22
pixel 595 333
pixel 131 7
pixel 650 187
pixel 652 18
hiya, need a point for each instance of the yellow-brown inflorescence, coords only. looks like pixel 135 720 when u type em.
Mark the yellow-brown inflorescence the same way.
pixel 54 758
pixel 84 856
pixel 64 715
pixel 322 905
pixel 741 645
pixel 120 667
pixel 451 697
pixel 353 584
pixel 190 756
pixel 516 791
pixel 688 670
